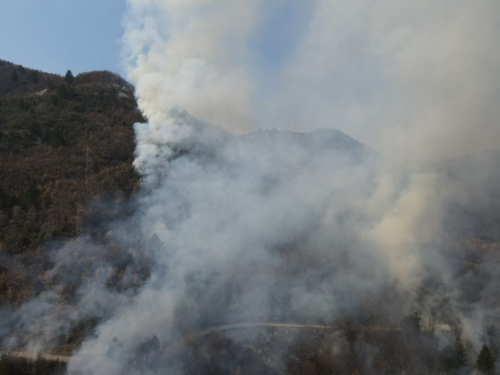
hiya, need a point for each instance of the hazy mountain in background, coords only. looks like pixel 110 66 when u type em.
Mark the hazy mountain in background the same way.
pixel 475 181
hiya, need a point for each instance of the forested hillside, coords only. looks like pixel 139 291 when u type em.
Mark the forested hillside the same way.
pixel 65 142
pixel 61 140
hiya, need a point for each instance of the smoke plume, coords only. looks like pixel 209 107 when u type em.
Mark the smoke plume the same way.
pixel 412 80
pixel 281 226
pixel 240 223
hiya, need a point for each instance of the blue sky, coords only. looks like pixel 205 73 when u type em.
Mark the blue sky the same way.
pixel 57 35
pixel 84 35
pixel 354 64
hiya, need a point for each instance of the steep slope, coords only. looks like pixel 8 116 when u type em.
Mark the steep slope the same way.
pixel 473 182
pixel 64 147
pixel 323 139
pixel 16 80
pixel 60 143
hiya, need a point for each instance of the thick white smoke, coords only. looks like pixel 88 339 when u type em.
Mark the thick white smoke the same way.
pixel 413 79
pixel 299 227
pixel 192 55
pixel 282 225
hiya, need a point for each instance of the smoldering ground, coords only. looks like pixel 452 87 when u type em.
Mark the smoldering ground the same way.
pixel 305 228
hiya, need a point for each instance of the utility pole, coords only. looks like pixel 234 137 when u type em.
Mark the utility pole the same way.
pixel 80 209
pixel 88 166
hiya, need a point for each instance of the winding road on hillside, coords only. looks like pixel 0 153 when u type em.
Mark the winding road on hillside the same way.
pixel 198 334
pixel 33 356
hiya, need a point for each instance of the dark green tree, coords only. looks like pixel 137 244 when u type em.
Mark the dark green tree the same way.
pixel 7 201
pixel 447 359
pixel 453 357
pixel 56 137
pixel 66 92
pixel 44 135
pixel 115 348
pixel 154 244
pixel 55 100
pixel 31 196
pixel 412 322
pixel 146 353
pixel 4 365
pixel 14 76
pixel 34 76
pixel 485 361
pixel 69 78
pixel 63 91
pixel 460 356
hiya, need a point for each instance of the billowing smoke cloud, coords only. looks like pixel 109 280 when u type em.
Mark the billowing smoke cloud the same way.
pixel 291 227
pixel 300 227
pixel 411 80
pixel 416 80
pixel 193 55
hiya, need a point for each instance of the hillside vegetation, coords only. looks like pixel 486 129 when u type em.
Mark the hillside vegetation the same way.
pixel 60 142
pixel 64 142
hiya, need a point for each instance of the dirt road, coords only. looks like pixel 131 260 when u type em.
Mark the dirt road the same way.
pixel 291 325
pixel 48 357
pixel 197 334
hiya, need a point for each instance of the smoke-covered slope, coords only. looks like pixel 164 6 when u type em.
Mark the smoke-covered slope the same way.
pixel 303 228
pixel 322 140
pixel 273 226
pixel 475 207
pixel 66 152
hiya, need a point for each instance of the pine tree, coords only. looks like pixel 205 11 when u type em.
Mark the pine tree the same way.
pixel 56 137
pixel 115 348
pixel 69 78
pixel 460 355
pixel 34 76
pixel 4 199
pixel 485 361
pixel 63 91
pixel 154 244
pixel 4 365
pixel 14 76
pixel 32 196
pixel 412 322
